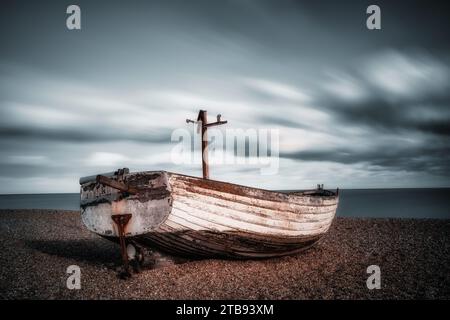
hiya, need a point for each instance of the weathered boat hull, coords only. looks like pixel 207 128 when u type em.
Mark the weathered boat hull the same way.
pixel 196 217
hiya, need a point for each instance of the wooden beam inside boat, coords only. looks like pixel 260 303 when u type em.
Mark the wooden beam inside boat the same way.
pixel 116 184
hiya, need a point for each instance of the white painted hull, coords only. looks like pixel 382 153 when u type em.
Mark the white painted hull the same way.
pixel 203 218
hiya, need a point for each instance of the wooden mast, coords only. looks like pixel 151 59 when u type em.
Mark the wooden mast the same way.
pixel 202 120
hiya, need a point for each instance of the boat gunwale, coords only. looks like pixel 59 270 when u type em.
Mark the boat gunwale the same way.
pixel 304 193
pixel 217 195
pixel 277 192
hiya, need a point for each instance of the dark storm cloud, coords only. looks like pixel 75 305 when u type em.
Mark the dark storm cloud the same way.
pixel 395 91
pixel 441 127
pixel 92 135
pixel 14 170
pixel 416 23
pixel 281 121
pixel 424 158
pixel 381 115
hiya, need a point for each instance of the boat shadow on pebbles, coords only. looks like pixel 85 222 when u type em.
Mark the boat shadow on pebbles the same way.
pixel 100 253
pixel 91 251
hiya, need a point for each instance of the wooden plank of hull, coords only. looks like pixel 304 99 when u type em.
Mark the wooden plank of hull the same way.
pixel 225 246
pixel 210 218
pixel 149 208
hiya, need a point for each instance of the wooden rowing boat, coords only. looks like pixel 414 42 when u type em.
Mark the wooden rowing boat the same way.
pixel 198 217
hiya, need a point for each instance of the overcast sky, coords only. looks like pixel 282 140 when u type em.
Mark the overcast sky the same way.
pixel 355 108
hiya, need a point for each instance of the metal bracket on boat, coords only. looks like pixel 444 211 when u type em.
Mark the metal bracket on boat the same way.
pixel 119 185
pixel 120 173
pixel 121 220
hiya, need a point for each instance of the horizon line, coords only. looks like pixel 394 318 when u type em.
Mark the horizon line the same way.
pixel 280 190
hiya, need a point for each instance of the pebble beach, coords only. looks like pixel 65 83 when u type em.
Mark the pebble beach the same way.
pixel 37 246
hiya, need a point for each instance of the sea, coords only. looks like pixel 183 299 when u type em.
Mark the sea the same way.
pixel 375 203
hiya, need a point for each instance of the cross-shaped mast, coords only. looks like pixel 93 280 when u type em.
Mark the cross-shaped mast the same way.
pixel 202 121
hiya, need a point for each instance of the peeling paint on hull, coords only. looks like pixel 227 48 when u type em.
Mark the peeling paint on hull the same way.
pixel 194 217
